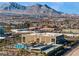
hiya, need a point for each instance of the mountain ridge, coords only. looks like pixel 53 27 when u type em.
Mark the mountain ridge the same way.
pixel 33 9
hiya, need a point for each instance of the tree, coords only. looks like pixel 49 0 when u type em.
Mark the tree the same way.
pixel 23 52
pixel 8 28
pixel 27 24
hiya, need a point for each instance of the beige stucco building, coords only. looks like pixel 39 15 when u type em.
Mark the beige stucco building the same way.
pixel 39 37
pixel 70 30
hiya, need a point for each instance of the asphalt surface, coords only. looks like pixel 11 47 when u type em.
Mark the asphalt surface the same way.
pixel 73 52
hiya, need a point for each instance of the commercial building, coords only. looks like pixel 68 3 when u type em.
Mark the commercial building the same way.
pixel 70 30
pixel 2 31
pixel 41 37
pixel 21 31
pixel 49 50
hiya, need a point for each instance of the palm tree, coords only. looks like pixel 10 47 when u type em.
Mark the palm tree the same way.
pixel 17 38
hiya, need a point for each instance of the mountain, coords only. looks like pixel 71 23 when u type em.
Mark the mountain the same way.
pixel 12 6
pixel 38 9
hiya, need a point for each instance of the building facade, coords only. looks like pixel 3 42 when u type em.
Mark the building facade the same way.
pixel 40 38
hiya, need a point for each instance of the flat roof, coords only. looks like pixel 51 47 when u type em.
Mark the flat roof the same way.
pixel 2 37
pixel 47 34
pixel 21 30
pixel 52 48
pixel 39 47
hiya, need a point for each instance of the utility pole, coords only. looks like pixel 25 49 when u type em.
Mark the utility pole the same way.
pixel 55 39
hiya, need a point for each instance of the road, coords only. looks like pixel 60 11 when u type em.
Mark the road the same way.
pixel 73 52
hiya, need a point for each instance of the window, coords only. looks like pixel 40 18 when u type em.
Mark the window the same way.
pixel 23 39
pixel 52 40
pixel 38 40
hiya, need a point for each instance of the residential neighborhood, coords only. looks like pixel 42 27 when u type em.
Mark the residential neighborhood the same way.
pixel 37 30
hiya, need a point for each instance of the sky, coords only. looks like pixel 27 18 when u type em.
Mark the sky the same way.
pixel 66 7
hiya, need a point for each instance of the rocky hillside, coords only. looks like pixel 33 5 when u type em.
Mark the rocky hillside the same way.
pixel 37 9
